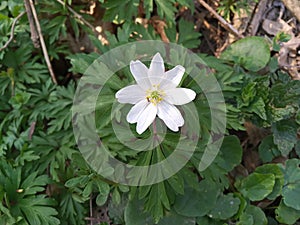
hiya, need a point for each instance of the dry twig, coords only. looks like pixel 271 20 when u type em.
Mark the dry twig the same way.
pixel 33 31
pixel 258 17
pixel 12 33
pixel 43 45
pixel 224 23
pixel 77 15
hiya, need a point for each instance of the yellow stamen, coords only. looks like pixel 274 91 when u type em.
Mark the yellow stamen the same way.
pixel 154 96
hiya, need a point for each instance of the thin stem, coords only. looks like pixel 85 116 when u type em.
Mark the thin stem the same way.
pixel 78 16
pixel 224 23
pixel 91 209
pixel 12 32
pixel 154 127
pixel 43 45
pixel 155 135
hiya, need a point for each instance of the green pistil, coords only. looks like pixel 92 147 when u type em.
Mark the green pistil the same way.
pixel 155 97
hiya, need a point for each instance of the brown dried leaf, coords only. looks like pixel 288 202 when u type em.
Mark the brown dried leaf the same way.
pixel 288 58
pixel 274 27
pixel 159 25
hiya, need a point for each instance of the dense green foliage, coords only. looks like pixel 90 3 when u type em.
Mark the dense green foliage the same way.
pixel 45 180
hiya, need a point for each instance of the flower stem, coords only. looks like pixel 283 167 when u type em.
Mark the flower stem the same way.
pixel 155 136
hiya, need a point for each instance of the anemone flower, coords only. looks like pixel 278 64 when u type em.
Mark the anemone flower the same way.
pixel 156 92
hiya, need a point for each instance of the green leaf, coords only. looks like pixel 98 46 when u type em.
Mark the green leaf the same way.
pixel 134 214
pixel 188 37
pixel 229 156
pixel 291 188
pixel 71 211
pixel 101 199
pixel 245 54
pixel 258 107
pixel 279 178
pixel 116 197
pixel 38 210
pixel 173 218
pixel 77 181
pixel 156 200
pixel 226 207
pixel 267 149
pixel 287 215
pixel 205 220
pixel 248 95
pixel 87 189
pixel 34 184
pixel 177 183
pixel 297 148
pixel 197 202
pixel 80 62
pixel 166 8
pixel 257 186
pixel 113 12
pixel 285 135
pixel 253 216
pixel 283 94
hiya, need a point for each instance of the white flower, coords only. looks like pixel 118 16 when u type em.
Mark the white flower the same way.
pixel 155 93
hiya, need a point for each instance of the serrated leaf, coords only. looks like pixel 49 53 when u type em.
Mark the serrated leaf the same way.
pixel 188 37
pixel 157 200
pixel 113 12
pixel 80 62
pixel 285 135
pixel 176 182
pixel 258 107
pixel 166 8
pixel 70 210
pixel 38 210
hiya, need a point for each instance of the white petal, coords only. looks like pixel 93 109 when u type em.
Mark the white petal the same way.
pixel 136 110
pixel 146 118
pixel 175 75
pixel 170 115
pixel 140 74
pixel 157 67
pixel 179 96
pixel 131 94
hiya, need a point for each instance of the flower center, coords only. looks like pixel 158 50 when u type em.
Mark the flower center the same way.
pixel 155 96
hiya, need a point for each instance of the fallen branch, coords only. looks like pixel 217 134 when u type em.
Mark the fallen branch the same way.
pixel 34 35
pixel 223 22
pixel 12 33
pixel 294 7
pixel 43 45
